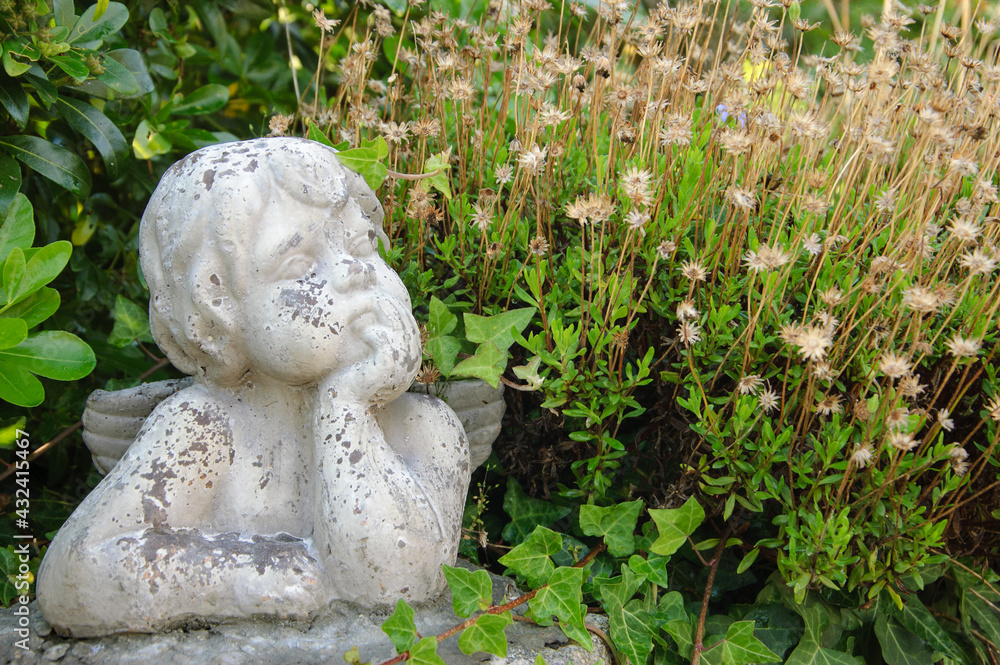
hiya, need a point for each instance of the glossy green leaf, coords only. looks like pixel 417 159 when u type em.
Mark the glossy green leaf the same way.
pixel 18 228
pixel 10 183
pixel 102 6
pixel 117 78
pixel 740 647
pixel 14 99
pixel 400 627
pixel 131 323
pixel 675 525
pixel 527 512
pixel 488 363
pixel 73 64
pixel 486 635
pixel 44 266
pixel 424 652
pixel 58 164
pixel 470 590
pixel 206 99
pixel 19 386
pixel 35 308
pixel 149 142
pixel 899 646
pixel 530 560
pixel 103 133
pixel 13 275
pixel 616 523
pixel 12 332
pixel 18 54
pixel 53 354
pixel 92 26
pixel 10 429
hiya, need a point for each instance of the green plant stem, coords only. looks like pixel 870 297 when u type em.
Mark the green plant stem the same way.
pixel 497 609
pixel 699 632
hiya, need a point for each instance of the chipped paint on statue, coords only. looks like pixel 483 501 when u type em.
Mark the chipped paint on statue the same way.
pixel 295 470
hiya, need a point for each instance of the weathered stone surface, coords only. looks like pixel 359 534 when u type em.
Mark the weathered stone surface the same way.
pixel 295 470
pixel 266 641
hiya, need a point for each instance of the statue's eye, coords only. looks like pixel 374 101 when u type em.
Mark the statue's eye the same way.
pixel 297 267
pixel 362 245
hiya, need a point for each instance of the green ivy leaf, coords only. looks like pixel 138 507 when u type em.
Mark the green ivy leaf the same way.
pixel 527 512
pixel 675 525
pixel 12 332
pixel 676 622
pixel 18 229
pixel 493 334
pixel 653 569
pixel 486 635
pixel 366 161
pixel 616 523
pixel 206 99
pixel 440 165
pixel 424 652
pixel 8 576
pixel 400 628
pixel 35 308
pixel 470 591
pixel 440 320
pixel 530 560
pixel 916 618
pixel 58 164
pixel 131 323
pixel 315 134
pixel 103 133
pixel 899 646
pixel 54 354
pixel 976 604
pixel 740 647
pixel 561 597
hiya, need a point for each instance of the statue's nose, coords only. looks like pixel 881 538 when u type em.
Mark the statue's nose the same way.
pixel 356 274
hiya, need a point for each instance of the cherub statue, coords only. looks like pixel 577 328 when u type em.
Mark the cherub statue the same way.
pixel 295 469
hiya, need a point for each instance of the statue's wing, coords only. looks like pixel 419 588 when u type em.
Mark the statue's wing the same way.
pixel 112 419
pixel 478 406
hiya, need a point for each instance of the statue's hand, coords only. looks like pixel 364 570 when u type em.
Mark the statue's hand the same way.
pixel 389 369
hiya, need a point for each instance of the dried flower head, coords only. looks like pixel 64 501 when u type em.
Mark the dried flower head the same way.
pixel 749 384
pixel 813 341
pixel 689 333
pixel 962 347
pixel 862 455
pixel 694 271
pixel 894 366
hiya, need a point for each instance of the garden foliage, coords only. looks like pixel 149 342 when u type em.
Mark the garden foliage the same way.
pixel 745 264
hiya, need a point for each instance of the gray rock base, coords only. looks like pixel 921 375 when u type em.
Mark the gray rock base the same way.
pixel 324 641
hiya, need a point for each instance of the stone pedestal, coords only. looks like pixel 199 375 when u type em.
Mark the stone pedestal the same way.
pixel 322 641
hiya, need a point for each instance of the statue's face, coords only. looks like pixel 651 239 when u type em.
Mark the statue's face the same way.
pixel 319 298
